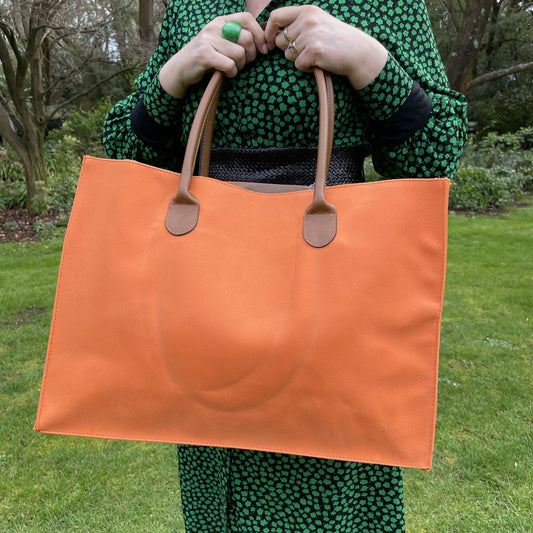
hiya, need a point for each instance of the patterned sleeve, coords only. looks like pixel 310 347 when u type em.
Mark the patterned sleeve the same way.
pixel 416 123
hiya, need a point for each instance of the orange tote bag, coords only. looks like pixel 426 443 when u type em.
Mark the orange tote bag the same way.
pixel 279 319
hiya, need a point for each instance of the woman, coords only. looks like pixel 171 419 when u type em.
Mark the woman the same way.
pixel 392 101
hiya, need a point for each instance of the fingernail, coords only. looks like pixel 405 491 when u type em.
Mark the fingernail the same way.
pixel 264 48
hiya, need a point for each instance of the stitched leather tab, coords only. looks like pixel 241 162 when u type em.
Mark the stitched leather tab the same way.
pixel 320 219
pixel 319 228
pixel 181 218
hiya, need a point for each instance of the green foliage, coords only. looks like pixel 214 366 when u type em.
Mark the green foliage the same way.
pixel 494 172
pixel 64 148
pixel 512 152
pixel 12 185
pixel 39 203
pixel 505 104
pixel 12 194
pixel 49 230
pixel 63 166
pixel 477 188
pixel 522 139
pixel 82 130
pixel 81 134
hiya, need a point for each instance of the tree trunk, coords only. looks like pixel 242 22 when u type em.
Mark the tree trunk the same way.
pixel 146 27
pixel 462 58
pixel 31 154
pixel 36 191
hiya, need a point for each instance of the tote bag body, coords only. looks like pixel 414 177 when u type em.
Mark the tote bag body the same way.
pixel 239 333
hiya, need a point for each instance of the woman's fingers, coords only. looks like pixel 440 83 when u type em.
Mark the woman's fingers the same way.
pixel 286 40
pixel 241 52
pixel 251 38
pixel 246 41
pixel 313 38
pixel 299 31
pixel 233 52
pixel 209 50
pixel 223 63
pixel 250 29
pixel 280 19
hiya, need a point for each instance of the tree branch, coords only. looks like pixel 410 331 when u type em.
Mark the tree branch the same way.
pixel 94 86
pixel 7 67
pixel 7 129
pixel 448 4
pixel 11 39
pixel 12 75
pixel 505 4
pixel 498 74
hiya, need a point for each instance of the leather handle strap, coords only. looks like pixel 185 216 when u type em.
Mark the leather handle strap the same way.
pixel 207 136
pixel 206 142
pixel 320 218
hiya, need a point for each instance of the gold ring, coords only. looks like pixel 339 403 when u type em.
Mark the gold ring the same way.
pixel 292 47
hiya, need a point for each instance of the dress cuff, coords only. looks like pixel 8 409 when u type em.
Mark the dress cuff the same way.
pixel 155 117
pixel 411 117
pixel 388 92
pixel 397 106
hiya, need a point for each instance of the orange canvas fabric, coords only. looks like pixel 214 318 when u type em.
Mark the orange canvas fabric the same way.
pixel 304 322
pixel 239 333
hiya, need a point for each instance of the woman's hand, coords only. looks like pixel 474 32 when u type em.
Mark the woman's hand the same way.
pixel 320 40
pixel 209 50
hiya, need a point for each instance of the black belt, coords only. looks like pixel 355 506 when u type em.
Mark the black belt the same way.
pixel 295 166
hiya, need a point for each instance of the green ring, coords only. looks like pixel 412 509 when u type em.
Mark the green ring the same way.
pixel 231 31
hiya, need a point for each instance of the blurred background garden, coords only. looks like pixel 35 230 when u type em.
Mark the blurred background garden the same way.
pixel 62 66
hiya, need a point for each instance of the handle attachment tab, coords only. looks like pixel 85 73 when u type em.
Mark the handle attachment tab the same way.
pixel 320 218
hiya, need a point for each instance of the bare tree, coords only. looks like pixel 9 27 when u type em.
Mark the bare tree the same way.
pixel 474 23
pixel 46 48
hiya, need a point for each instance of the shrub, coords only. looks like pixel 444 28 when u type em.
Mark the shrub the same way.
pixel 512 151
pixel 478 188
pixel 81 134
pixel 83 128
pixel 12 184
pixel 63 166
pixel 494 171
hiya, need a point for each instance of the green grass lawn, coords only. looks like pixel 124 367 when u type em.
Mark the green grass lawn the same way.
pixel 482 480
pixel 482 477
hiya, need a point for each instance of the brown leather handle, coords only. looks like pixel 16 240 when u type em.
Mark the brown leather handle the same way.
pixel 320 218
pixel 207 136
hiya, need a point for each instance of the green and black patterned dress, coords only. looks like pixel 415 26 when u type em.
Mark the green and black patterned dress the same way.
pixel 411 123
